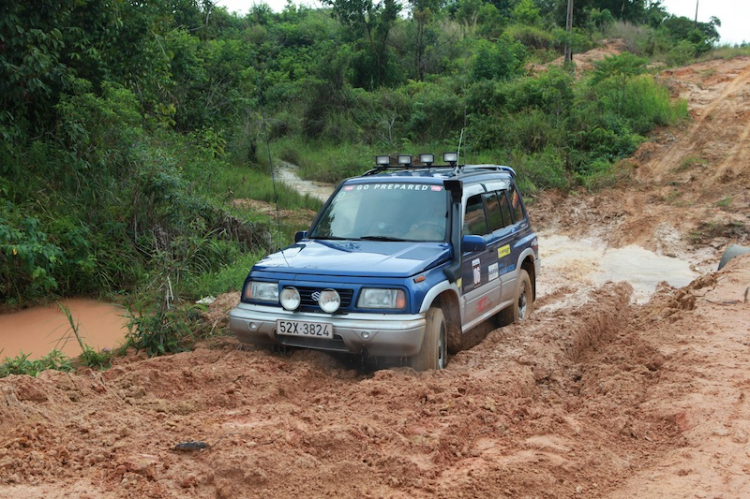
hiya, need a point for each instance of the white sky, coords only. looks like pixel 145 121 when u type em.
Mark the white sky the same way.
pixel 732 13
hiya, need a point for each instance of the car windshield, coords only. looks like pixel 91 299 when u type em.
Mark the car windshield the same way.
pixel 386 211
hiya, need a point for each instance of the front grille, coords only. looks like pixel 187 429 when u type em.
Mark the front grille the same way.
pixel 308 302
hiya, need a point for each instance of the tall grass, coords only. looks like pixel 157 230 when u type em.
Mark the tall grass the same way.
pixel 89 357
pixel 216 282
pixel 726 52
pixel 244 182
pixel 636 38
pixel 326 162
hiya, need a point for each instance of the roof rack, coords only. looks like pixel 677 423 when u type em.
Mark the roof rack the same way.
pixel 492 168
pixel 426 162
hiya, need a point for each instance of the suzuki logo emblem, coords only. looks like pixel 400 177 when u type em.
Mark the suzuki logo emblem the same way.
pixel 315 296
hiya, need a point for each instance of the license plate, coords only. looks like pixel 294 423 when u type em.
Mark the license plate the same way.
pixel 301 328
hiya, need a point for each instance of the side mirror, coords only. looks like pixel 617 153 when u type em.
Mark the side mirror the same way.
pixel 472 244
pixel 299 236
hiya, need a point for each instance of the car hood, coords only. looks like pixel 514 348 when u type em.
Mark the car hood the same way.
pixel 356 258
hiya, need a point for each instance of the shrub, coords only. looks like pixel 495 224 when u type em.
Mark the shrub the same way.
pixel 500 60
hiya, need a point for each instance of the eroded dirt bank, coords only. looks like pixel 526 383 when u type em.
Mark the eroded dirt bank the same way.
pixel 595 396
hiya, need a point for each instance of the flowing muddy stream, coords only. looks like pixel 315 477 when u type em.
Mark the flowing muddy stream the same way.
pixel 289 174
pixel 39 330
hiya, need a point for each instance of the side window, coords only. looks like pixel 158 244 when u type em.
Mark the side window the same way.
pixel 475 221
pixel 495 218
pixel 505 208
pixel 515 204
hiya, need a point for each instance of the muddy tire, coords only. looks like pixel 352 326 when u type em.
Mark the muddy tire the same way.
pixel 434 352
pixel 522 306
pixel 732 251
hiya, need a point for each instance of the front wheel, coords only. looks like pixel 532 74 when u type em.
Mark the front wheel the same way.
pixel 523 304
pixel 434 352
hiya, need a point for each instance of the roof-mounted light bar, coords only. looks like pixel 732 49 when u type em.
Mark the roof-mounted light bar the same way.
pixel 383 160
pixel 427 159
pixel 451 158
pixel 404 159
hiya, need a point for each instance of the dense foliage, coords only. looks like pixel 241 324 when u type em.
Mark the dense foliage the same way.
pixel 127 126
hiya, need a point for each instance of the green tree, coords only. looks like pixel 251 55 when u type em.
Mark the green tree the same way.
pixel 422 12
pixel 370 22
pixel 526 12
pixel 500 60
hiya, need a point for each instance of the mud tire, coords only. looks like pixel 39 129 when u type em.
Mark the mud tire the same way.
pixel 523 304
pixel 732 251
pixel 434 352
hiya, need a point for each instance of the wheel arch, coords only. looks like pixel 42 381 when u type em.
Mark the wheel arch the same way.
pixel 446 298
pixel 530 268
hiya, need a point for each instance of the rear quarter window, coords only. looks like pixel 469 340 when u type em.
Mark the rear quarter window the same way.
pixel 516 206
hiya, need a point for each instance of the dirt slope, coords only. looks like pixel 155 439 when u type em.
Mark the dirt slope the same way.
pixel 599 398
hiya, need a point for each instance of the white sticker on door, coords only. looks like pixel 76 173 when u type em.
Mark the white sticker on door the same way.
pixel 477 271
pixel 493 273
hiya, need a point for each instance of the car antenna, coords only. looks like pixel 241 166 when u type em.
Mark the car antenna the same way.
pixel 270 158
pixel 458 151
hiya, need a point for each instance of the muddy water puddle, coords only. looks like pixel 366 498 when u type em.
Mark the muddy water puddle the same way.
pixel 573 263
pixel 37 331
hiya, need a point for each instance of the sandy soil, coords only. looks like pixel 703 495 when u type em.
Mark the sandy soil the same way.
pixel 602 397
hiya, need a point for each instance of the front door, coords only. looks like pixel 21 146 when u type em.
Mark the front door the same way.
pixel 479 269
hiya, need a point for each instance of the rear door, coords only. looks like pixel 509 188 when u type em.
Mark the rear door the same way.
pixel 514 240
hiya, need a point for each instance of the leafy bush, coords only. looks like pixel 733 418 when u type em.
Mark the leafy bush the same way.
pixel 158 330
pixel 500 60
pixel 22 365
pixel 532 36
pixel 28 259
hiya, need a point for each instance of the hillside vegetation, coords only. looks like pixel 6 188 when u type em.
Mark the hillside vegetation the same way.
pixel 128 127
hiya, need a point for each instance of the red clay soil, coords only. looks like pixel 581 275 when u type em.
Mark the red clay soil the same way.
pixel 605 398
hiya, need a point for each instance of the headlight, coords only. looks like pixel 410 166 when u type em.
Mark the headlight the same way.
pixel 290 298
pixel 262 291
pixel 329 301
pixel 382 298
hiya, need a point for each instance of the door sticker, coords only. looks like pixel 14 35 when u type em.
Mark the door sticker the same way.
pixel 477 271
pixel 503 251
pixel 493 271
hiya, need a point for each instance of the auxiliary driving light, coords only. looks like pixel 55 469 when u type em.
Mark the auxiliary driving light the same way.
pixel 382 160
pixel 450 157
pixel 290 298
pixel 329 301
pixel 427 159
pixel 404 159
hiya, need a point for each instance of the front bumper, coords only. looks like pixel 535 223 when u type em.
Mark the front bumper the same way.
pixel 395 335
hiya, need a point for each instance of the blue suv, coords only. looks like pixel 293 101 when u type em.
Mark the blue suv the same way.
pixel 400 262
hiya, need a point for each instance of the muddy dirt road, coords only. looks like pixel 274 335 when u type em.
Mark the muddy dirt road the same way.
pixel 598 395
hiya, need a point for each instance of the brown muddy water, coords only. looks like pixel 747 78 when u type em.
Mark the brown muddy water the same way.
pixel 39 330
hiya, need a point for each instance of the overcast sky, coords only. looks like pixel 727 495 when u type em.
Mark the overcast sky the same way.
pixel 734 14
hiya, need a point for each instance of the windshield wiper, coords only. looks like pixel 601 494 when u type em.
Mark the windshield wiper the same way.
pixel 332 238
pixel 382 238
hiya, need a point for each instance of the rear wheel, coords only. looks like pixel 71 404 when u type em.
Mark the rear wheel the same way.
pixel 523 304
pixel 434 352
